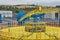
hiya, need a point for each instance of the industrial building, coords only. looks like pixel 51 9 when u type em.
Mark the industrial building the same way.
pixel 6 13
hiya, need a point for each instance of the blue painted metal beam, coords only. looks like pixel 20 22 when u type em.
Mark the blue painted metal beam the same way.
pixel 0 18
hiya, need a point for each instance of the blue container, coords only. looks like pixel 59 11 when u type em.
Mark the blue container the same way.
pixel 0 18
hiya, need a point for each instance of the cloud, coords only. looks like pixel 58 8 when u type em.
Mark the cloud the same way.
pixel 37 2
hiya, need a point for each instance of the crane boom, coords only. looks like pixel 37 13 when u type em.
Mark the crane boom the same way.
pixel 40 10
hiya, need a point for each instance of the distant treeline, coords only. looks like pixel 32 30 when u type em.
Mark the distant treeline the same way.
pixel 14 8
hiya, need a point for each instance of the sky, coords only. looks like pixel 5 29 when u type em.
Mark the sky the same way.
pixel 36 2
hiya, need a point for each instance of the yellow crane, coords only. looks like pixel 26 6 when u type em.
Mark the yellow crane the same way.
pixel 28 32
pixel 40 10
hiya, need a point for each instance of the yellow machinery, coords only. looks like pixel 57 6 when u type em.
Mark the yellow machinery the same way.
pixel 20 33
pixel 40 10
pixel 33 30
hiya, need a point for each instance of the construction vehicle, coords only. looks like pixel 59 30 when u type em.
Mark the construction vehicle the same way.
pixel 32 29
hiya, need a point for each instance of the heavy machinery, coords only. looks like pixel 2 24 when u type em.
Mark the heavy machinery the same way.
pixel 34 30
pixel 40 10
pixel 38 26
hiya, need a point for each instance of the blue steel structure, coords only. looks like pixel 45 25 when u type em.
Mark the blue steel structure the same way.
pixel 0 18
pixel 21 14
pixel 35 17
pixel 38 17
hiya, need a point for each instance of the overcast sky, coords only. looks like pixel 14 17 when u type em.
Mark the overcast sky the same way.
pixel 36 2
